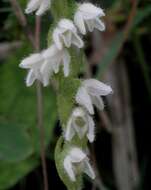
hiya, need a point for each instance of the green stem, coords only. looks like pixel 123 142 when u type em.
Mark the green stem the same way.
pixel 66 92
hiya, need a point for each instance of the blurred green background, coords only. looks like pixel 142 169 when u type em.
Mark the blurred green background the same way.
pixel 121 56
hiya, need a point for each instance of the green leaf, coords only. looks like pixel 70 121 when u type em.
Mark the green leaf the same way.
pixel 11 173
pixel 18 103
pixel 15 144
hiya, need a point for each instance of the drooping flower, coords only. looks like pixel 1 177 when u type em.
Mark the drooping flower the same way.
pixel 40 5
pixel 88 17
pixel 66 34
pixel 54 58
pixel 34 63
pixel 77 162
pixel 90 93
pixel 80 122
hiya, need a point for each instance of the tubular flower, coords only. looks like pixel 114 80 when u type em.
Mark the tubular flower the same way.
pixel 40 5
pixel 88 16
pixel 34 63
pixel 54 58
pixel 66 34
pixel 77 162
pixel 80 122
pixel 90 93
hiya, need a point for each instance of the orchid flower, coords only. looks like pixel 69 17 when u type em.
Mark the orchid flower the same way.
pixel 80 122
pixel 88 17
pixel 90 93
pixel 66 34
pixel 77 162
pixel 40 5
pixel 34 63
pixel 54 58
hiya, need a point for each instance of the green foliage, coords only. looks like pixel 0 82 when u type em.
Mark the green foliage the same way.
pixel 15 144
pixel 66 97
pixel 19 135
pixel 11 173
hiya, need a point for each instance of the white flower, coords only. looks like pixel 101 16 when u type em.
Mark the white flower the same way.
pixel 80 122
pixel 34 63
pixel 88 16
pixel 66 34
pixel 54 58
pixel 90 93
pixel 40 5
pixel 77 162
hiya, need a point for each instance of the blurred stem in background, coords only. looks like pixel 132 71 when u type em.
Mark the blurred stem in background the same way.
pixel 40 119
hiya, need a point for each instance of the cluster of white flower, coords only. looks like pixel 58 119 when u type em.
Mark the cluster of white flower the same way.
pixel 42 65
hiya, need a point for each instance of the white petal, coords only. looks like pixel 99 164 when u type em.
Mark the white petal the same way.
pixel 50 52
pixel 45 81
pixel 76 40
pixel 66 24
pixel 90 134
pixel 67 38
pixel 98 102
pixel 97 88
pixel 56 67
pixel 56 38
pixel 30 78
pixel 77 155
pixel 68 168
pixel 66 62
pixel 83 98
pixel 90 25
pixel 79 22
pixel 45 5
pixel 98 24
pixel 88 169
pixel 46 72
pixel 90 11
pixel 32 61
pixel 32 6
pixel 69 132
